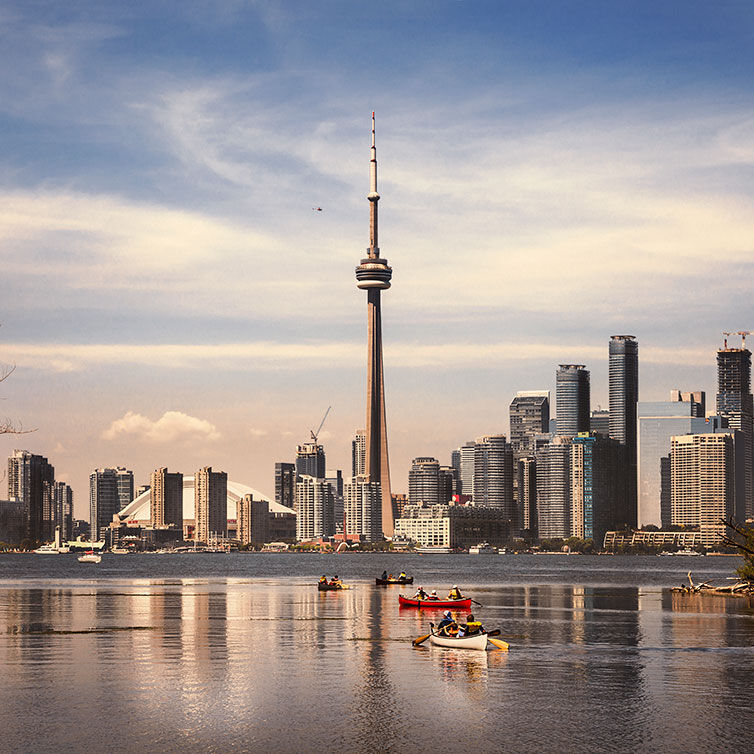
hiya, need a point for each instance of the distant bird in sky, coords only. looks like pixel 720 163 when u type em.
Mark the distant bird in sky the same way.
pixel 317 209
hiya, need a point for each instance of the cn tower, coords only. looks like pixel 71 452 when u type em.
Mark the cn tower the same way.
pixel 373 275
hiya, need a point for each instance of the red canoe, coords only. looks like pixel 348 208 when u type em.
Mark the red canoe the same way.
pixel 464 604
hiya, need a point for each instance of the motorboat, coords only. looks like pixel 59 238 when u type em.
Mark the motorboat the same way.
pixel 90 557
pixel 485 548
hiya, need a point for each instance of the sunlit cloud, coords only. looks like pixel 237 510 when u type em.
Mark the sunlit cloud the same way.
pixel 172 426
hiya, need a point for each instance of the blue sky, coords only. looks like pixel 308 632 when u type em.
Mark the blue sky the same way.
pixel 551 174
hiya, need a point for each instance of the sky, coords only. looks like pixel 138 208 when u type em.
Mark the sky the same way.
pixel 551 174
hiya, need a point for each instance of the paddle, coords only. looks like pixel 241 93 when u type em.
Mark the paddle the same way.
pixel 421 639
pixel 477 603
pixel 499 644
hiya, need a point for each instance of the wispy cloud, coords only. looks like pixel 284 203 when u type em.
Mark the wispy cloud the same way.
pixel 171 427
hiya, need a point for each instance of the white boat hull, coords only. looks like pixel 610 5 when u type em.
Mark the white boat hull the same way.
pixel 90 558
pixel 478 641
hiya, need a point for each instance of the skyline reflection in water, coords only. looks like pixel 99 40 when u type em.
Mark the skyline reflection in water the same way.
pixel 233 663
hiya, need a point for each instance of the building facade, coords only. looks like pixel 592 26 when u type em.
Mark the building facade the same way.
pixel 527 496
pixel 30 482
pixel 285 481
pixel 572 396
pixel 359 453
pixel 166 500
pixel 104 501
pixel 493 475
pixel 253 521
pixel 310 461
pixel 529 417
pixel 424 482
pixel 315 509
pixel 210 504
pixel 554 489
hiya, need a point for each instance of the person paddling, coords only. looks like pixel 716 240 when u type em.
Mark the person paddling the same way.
pixel 403 575
pixel 455 593
pixel 447 626
pixel 384 576
pixel 471 627
pixel 420 594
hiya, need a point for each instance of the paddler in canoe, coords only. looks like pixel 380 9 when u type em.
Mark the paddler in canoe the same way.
pixel 403 575
pixel 471 627
pixel 455 593
pixel 420 594
pixel 433 595
pixel 447 626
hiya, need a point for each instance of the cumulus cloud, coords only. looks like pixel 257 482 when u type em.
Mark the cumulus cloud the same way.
pixel 172 426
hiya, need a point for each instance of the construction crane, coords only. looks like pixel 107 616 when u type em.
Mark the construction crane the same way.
pixel 314 434
pixel 726 335
pixel 743 334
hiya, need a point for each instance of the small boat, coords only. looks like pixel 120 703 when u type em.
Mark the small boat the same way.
pixel 327 587
pixel 386 582
pixel 434 550
pixel 90 557
pixel 475 641
pixel 484 548
pixel 462 604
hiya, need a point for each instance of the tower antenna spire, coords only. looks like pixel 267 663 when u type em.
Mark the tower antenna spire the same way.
pixel 374 197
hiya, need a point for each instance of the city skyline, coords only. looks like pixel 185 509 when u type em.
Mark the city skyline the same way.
pixel 173 299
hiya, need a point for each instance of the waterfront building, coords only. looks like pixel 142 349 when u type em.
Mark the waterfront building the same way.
pixel 210 506
pixel 456 526
pixel 104 501
pixel 734 405
pixel 400 501
pixel 373 275
pixel 685 540
pixel 658 422
pixel 447 484
pixel 623 378
pixel 362 501
pixel 599 422
pixel 424 482
pixel 310 460
pixel 703 484
pixel 527 496
pixel 315 506
pixel 598 486
pixel 253 521
pixel 285 481
pixel 125 484
pixel 493 475
pixel 529 417
pixel 554 489
pixel 572 399
pixel 63 510
pixel 166 500
pixel 696 398
pixel 466 469
pixel 335 479
pixel 30 480
pixel 359 453
pixel 12 522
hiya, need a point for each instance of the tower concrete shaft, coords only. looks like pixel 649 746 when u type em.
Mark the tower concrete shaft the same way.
pixel 373 275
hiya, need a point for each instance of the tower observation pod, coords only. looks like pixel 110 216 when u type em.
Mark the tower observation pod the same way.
pixel 373 275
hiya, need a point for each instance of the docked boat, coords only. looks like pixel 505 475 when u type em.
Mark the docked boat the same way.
pixel 90 557
pixel 475 641
pixel 485 548
pixel 386 582
pixel 50 549
pixel 434 550
pixel 462 604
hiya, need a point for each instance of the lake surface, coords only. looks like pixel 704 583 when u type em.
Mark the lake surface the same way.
pixel 241 652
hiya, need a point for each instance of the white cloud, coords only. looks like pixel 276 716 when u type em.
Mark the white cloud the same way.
pixel 172 426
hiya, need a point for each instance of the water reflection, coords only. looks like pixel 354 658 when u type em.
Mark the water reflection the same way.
pixel 192 664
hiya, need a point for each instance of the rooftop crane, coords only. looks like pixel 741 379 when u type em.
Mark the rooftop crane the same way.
pixel 743 334
pixel 314 434
pixel 726 335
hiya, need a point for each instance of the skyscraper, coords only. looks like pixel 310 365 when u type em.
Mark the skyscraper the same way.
pixel 30 480
pixel 529 416
pixel 315 509
pixel 359 453
pixel 554 488
pixel 424 482
pixel 361 500
pixel 373 275
pixel 623 386
pixel 572 399
pixel 210 504
pixel 310 460
pixel 734 404
pixel 493 475
pixel 104 501
pixel 466 476
pixel 166 500
pixel 285 481
pixel 63 506
pixel 697 399
pixel 527 495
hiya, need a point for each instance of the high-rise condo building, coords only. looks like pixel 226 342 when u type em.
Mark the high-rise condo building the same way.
pixel 658 422
pixel 554 488
pixel 424 482
pixel 63 505
pixel 166 500
pixel 702 469
pixel 466 476
pixel 448 483
pixel 253 521
pixel 210 504
pixel 527 496
pixel 310 460
pixel 361 500
pixel 285 481
pixel 373 275
pixel 529 417
pixel 335 479
pixel 599 422
pixel 30 480
pixel 104 501
pixel 734 404
pixel 623 388
pixel 493 475
pixel 315 509
pixel 125 481
pixel 572 399
pixel 359 453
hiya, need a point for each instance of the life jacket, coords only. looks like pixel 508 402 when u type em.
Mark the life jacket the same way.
pixel 474 627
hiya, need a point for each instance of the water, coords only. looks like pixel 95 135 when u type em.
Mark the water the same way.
pixel 240 652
